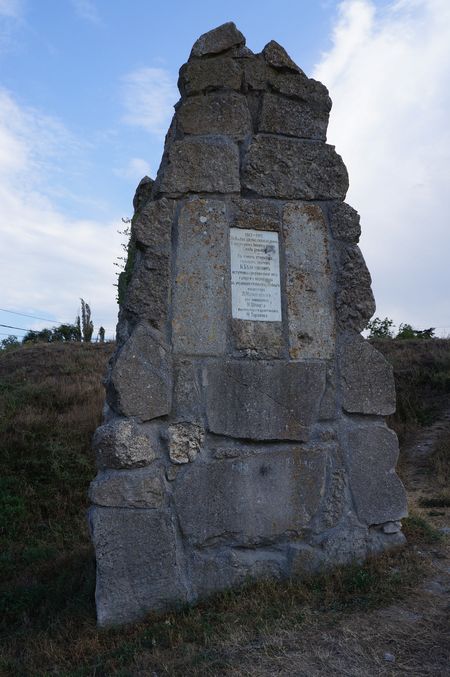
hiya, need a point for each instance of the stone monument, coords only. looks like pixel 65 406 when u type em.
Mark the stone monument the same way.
pixel 244 435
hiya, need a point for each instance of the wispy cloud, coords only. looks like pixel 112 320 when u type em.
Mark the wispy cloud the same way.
pixel 388 73
pixel 149 95
pixel 135 170
pixel 87 10
pixel 11 8
pixel 50 258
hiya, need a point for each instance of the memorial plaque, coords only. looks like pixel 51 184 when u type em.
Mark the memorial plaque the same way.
pixel 255 275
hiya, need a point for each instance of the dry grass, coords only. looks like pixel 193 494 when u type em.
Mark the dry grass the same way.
pixel 341 623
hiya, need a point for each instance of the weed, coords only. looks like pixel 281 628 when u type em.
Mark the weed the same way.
pixel 419 531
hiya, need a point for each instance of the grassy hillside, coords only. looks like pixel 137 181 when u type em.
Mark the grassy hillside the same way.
pixel 50 403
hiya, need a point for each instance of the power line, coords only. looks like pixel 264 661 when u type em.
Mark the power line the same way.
pixel 8 326
pixel 34 317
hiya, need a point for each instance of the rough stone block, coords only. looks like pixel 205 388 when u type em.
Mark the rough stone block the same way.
pixel 209 74
pixel 263 400
pixel 371 455
pixel 152 227
pixel 147 294
pixel 202 165
pixel 252 500
pixel 344 222
pixel 215 113
pixel 259 339
pixel 185 442
pixel 367 378
pixel 143 193
pixel 140 382
pixel 309 282
pixel 120 444
pixel 187 395
pixel 294 169
pixel 137 563
pixel 275 55
pixel 218 40
pixel 292 117
pixel 255 214
pixel 355 303
pixel 141 488
pixel 201 293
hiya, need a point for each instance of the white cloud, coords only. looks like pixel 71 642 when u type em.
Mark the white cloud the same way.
pixel 135 170
pixel 87 10
pixel 50 259
pixel 149 96
pixel 388 73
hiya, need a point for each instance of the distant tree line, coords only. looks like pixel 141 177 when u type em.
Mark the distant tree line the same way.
pixel 378 328
pixel 81 330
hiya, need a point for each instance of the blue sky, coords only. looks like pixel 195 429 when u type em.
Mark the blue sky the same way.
pixel 86 95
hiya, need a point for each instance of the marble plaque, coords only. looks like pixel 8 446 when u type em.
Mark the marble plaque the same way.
pixel 255 275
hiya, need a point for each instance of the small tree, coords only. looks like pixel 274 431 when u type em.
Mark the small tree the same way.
pixel 85 326
pixel 101 335
pixel 406 331
pixel 380 328
pixel 9 342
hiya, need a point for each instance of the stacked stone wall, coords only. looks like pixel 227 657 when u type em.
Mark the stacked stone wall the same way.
pixel 236 449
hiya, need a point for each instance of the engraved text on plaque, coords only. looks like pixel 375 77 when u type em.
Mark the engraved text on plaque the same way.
pixel 255 275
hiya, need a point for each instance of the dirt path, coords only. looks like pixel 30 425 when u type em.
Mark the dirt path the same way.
pixel 408 638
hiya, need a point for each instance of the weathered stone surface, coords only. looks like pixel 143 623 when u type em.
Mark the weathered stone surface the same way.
pixel 263 399
pixel 185 442
pixel 276 56
pixel 140 382
pixel 137 563
pixel 120 444
pixel 143 193
pixel 371 455
pixel 259 339
pixel 187 391
pixel 256 214
pixel 147 294
pixel 202 165
pixel 251 500
pixel 200 295
pixel 291 117
pixel 294 169
pixel 344 222
pixel 309 284
pixel 209 74
pixel 328 404
pixel 218 40
pixel 215 113
pixel 355 303
pixel 141 488
pixel 153 225
pixel 367 378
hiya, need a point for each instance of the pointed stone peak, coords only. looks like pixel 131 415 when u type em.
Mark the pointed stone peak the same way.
pixel 218 40
pixel 276 56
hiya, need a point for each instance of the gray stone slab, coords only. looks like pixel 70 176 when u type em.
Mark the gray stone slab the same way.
pixel 147 294
pixel 294 169
pixel 187 395
pixel 138 568
pixel 152 226
pixel 121 444
pixel 275 55
pixel 137 488
pixel 140 382
pixel 344 222
pixel 263 400
pixel 251 500
pixel 367 378
pixel 371 455
pixel 201 291
pixel 218 40
pixel 291 117
pixel 309 282
pixel 209 74
pixel 215 113
pixel 201 165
